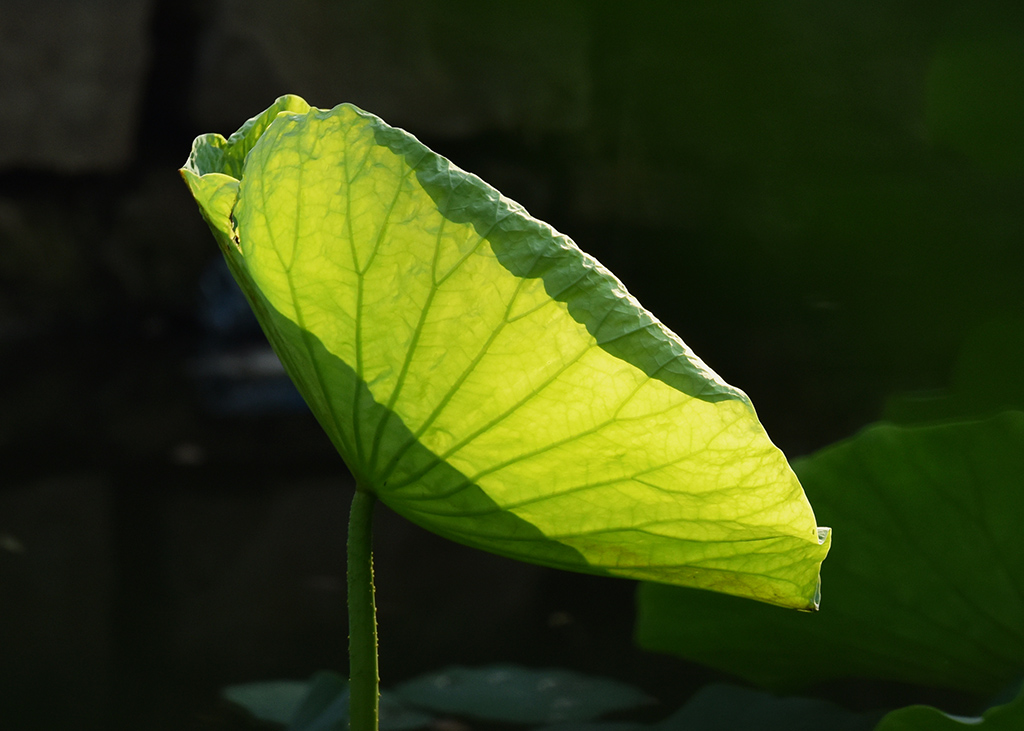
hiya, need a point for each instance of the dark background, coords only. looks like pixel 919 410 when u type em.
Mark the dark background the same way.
pixel 822 198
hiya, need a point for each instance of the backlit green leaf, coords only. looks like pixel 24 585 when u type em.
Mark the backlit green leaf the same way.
pixel 483 376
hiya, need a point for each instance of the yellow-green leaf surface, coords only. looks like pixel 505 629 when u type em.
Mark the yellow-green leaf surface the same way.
pixel 483 376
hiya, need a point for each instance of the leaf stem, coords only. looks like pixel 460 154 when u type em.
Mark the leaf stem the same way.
pixel 364 680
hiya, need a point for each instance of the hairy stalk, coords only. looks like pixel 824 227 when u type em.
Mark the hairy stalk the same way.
pixel 364 680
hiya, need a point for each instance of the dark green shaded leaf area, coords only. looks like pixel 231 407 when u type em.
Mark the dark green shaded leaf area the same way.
pixel 1008 717
pixel 925 587
pixel 514 694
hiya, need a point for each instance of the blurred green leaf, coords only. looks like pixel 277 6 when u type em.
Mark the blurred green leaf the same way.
pixel 318 704
pixel 721 707
pixel 1008 717
pixel 513 694
pixel 272 700
pixel 325 707
pixel 597 726
pixel 926 587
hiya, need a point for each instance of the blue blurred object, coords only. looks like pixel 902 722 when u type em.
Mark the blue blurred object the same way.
pixel 223 311
pixel 236 371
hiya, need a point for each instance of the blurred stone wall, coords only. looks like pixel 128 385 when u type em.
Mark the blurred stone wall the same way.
pixel 72 78
pixel 445 69
pixel 99 102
